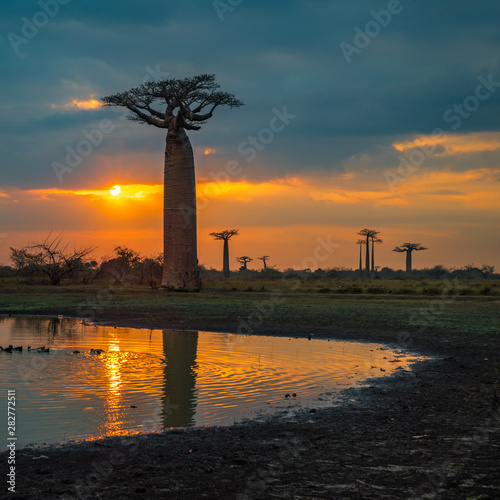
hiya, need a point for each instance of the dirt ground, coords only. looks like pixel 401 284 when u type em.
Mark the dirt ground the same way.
pixel 431 433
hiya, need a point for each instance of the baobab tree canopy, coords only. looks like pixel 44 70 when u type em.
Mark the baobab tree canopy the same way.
pixel 177 105
pixel 409 248
pixel 244 260
pixel 405 247
pixel 368 233
pixel 184 103
pixel 225 235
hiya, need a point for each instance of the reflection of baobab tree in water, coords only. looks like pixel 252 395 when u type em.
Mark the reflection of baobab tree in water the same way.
pixel 179 398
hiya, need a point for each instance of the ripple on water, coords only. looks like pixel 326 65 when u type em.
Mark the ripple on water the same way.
pixel 151 379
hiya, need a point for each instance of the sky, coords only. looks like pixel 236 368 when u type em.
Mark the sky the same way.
pixel 358 114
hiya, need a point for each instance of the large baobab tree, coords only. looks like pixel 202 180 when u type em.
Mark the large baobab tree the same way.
pixel 368 234
pixel 374 240
pixel 177 105
pixel 244 260
pixel 225 236
pixel 264 260
pixel 409 248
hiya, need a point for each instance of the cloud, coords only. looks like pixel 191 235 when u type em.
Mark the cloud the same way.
pixel 90 103
pixel 444 192
pixel 402 83
pixel 353 121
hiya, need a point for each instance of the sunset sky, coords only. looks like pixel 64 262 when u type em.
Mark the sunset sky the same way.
pixel 358 114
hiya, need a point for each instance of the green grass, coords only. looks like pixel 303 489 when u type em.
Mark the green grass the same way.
pixel 277 307
pixel 358 286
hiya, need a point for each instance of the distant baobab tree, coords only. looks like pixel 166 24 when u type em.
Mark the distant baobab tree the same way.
pixel 374 240
pixel 368 234
pixel 360 243
pixel 184 104
pixel 409 248
pixel 225 236
pixel 244 260
pixel 264 260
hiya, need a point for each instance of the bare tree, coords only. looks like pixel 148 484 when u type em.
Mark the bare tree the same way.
pixel 184 104
pixel 487 270
pixel 244 260
pixel 52 258
pixel 225 235
pixel 264 260
pixel 368 234
pixel 409 248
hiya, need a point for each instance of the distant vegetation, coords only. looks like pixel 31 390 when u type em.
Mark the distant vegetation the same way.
pixel 129 268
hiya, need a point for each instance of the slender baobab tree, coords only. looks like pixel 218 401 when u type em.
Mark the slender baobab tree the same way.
pixel 226 236
pixel 244 260
pixel 374 240
pixel 368 234
pixel 409 248
pixel 264 260
pixel 177 105
pixel 361 243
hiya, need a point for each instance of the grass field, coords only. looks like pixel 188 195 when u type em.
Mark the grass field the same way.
pixel 427 287
pixel 255 306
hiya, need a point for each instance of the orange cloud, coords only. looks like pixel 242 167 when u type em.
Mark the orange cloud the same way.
pixel 452 144
pixel 282 218
pixel 90 103
pixel 132 191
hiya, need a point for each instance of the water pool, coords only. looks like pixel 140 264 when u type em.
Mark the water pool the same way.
pixel 148 380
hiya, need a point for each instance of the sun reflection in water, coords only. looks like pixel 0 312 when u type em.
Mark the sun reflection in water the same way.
pixel 151 379
pixel 112 365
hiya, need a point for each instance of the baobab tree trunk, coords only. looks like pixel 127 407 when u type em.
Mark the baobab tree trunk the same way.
pixel 373 255
pixel 408 261
pixel 180 269
pixel 360 259
pixel 225 260
pixel 368 256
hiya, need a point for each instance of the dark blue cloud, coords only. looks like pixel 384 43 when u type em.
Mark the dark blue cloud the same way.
pixel 270 54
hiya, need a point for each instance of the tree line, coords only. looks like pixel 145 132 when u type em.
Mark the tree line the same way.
pixel 57 262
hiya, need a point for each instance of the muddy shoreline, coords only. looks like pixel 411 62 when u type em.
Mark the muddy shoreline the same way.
pixel 431 433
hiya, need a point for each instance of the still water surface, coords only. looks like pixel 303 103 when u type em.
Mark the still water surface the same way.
pixel 147 380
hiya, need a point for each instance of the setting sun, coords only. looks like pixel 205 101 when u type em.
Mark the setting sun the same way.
pixel 115 191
